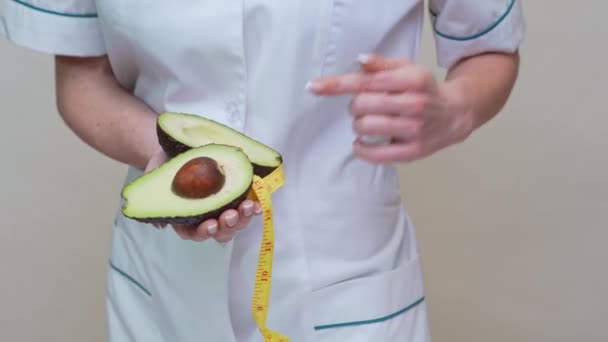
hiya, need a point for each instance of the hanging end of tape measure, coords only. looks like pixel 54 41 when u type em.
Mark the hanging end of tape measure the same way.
pixel 261 190
pixel 273 336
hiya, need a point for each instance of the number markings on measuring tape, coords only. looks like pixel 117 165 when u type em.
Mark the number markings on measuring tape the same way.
pixel 263 188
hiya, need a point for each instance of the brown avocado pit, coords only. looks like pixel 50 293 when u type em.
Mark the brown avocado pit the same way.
pixel 198 178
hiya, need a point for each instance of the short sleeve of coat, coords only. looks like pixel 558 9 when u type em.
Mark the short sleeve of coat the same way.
pixel 59 27
pixel 463 28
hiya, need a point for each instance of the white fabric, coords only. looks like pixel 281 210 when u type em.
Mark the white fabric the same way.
pixel 346 260
pixel 72 29
pixel 464 28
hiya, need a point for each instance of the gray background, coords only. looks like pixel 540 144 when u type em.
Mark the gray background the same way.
pixel 512 224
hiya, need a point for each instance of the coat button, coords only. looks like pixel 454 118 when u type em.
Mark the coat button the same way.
pixel 232 108
pixel 235 116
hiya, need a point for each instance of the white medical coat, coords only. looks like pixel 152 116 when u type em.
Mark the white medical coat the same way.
pixel 346 259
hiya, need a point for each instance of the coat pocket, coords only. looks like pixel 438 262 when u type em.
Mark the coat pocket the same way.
pixel 389 306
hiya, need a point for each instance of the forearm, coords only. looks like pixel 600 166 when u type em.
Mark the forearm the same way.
pixel 483 85
pixel 101 113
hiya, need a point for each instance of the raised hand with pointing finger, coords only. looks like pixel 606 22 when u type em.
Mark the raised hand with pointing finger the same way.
pixel 400 100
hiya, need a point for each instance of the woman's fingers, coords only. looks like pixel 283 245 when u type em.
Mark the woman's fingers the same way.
pixel 406 129
pixel 227 223
pixel 414 78
pixel 202 232
pixel 396 152
pixel 375 63
pixel 185 232
pixel 233 221
pixel 223 230
pixel 406 104
pixel 229 219
pixel 393 98
pixel 399 116
pixel 258 208
pixel 246 211
pixel 208 229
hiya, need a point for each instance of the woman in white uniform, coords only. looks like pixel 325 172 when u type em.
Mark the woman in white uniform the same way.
pixel 308 78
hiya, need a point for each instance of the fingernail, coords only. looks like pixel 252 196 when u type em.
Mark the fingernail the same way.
pixel 363 58
pixel 258 210
pixel 313 86
pixel 212 229
pixel 231 219
pixel 248 208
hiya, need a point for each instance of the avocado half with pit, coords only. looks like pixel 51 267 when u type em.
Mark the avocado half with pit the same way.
pixel 179 132
pixel 193 186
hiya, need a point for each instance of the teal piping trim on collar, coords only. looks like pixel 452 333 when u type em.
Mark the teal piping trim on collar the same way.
pixel 372 321
pixel 135 282
pixel 48 11
pixel 482 33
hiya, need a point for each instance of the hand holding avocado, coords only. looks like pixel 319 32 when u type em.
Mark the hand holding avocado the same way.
pixel 200 179
pixel 400 100
pixel 223 230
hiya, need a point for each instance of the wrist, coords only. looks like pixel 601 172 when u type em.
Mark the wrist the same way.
pixel 457 98
pixel 149 146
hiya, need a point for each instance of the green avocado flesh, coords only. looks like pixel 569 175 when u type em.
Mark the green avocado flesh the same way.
pixel 151 199
pixel 178 132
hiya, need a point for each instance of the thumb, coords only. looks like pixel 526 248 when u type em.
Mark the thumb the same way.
pixel 375 63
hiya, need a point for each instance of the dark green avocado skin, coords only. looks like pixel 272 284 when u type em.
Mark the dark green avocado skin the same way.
pixel 197 219
pixel 173 147
pixel 263 171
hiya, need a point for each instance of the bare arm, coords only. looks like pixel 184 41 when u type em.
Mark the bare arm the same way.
pixel 101 113
pixel 122 127
pixel 483 84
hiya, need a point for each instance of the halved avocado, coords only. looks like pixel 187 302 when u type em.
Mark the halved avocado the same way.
pixel 152 198
pixel 178 132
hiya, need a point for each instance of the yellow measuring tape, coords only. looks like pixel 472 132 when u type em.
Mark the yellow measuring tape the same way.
pixel 262 190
